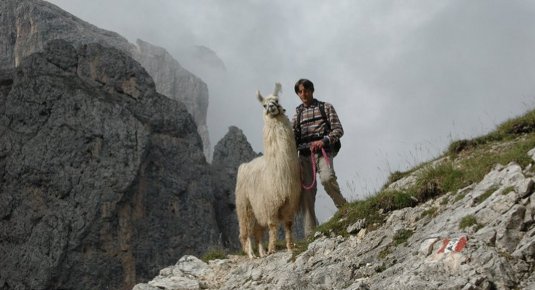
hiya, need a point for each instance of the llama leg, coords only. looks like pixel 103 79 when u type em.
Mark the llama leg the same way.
pixel 272 237
pixel 246 228
pixel 288 235
pixel 259 235
pixel 249 250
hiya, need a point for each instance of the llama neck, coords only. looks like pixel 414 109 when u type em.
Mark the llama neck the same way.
pixel 278 137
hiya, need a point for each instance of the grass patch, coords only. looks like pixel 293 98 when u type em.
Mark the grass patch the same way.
pixel 439 179
pixel 385 252
pixel 213 254
pixel 469 221
pixel 459 197
pixel 465 162
pixel 300 246
pixel 397 175
pixel 485 195
pixel 508 130
pixel 432 212
pixel 507 190
pixel 402 236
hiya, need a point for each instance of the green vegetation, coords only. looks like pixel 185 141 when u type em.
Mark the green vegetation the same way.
pixel 469 221
pixel 213 254
pixel 459 197
pixel 444 201
pixel 465 162
pixel 485 195
pixel 432 212
pixel 396 175
pixel 508 189
pixel 402 236
pixel 385 252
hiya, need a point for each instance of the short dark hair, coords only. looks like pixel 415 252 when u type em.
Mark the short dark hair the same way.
pixel 307 84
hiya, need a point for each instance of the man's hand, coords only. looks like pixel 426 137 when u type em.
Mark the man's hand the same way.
pixel 316 146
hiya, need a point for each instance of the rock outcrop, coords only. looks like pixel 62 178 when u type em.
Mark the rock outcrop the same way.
pixel 103 181
pixel 229 153
pixel 28 25
pixel 480 237
pixel 176 82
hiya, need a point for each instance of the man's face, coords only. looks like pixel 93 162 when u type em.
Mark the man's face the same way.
pixel 305 95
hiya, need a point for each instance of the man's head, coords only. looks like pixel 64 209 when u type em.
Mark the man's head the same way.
pixel 305 90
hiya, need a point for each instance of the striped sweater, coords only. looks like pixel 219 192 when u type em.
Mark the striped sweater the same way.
pixel 312 125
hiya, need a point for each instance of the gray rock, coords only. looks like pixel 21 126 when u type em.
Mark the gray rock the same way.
pixel 498 254
pixel 28 25
pixel 357 226
pixel 177 83
pixel 231 151
pixel 102 177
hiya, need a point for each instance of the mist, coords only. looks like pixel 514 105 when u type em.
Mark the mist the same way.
pixel 406 77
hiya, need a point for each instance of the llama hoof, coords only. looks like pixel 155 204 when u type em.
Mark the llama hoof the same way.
pixel 251 256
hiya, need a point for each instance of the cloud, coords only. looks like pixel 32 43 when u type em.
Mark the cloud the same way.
pixel 406 77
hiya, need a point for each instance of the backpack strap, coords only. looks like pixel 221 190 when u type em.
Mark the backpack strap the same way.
pixel 324 115
pixel 297 125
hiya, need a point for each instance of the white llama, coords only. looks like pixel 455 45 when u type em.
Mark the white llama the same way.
pixel 268 188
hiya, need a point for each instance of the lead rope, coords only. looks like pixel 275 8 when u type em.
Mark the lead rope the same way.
pixel 313 161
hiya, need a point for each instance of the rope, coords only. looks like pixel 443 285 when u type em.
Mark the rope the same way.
pixel 313 161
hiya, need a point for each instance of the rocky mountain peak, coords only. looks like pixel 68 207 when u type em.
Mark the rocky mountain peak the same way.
pixel 231 151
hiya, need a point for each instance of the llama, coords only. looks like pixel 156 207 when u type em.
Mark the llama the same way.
pixel 268 188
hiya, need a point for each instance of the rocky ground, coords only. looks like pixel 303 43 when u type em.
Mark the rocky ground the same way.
pixel 480 237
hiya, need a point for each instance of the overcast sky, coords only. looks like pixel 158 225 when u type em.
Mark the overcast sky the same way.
pixel 406 77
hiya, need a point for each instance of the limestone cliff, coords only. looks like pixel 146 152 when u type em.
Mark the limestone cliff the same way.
pixel 176 82
pixel 27 25
pixel 103 180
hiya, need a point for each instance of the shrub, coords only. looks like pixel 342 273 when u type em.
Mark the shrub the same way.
pixel 213 254
pixel 402 236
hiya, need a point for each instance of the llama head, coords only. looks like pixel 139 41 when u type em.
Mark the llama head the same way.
pixel 270 103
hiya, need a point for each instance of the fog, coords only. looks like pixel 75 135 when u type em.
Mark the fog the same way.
pixel 406 77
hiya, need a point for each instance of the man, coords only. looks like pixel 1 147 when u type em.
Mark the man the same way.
pixel 315 130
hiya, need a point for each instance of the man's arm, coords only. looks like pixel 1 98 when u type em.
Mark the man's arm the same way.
pixel 337 131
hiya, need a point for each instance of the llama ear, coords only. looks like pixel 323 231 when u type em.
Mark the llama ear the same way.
pixel 278 89
pixel 259 96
